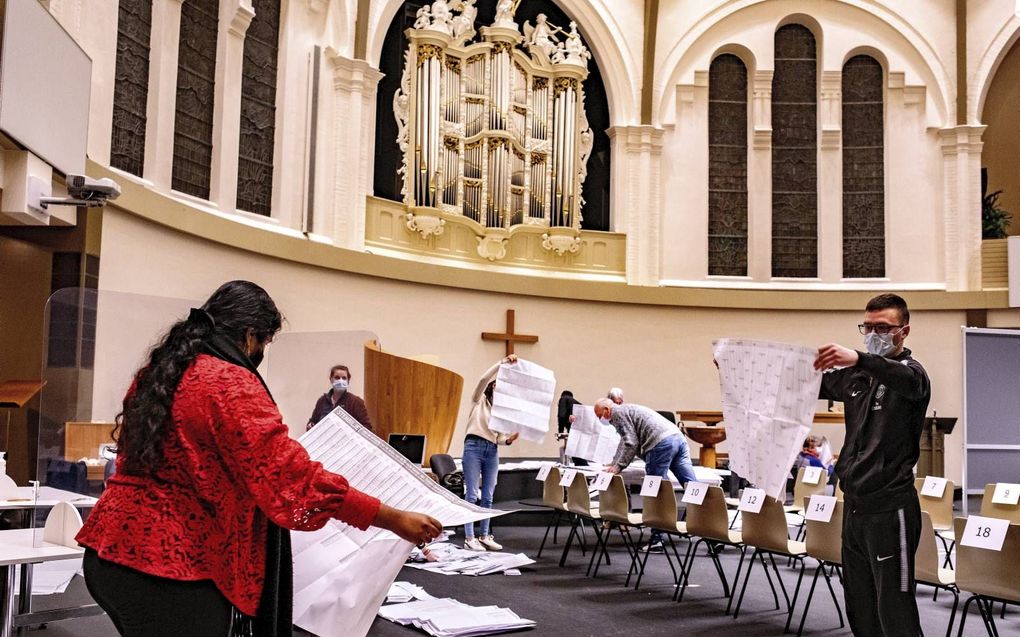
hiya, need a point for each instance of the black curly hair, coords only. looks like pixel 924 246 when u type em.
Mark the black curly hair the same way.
pixel 142 427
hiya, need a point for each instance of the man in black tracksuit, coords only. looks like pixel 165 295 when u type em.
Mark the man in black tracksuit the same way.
pixel 885 393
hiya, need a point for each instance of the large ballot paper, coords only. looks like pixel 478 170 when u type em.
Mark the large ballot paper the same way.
pixel 590 439
pixel 769 393
pixel 342 574
pixel 522 400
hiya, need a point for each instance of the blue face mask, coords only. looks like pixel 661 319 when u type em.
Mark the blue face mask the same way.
pixel 879 344
pixel 340 385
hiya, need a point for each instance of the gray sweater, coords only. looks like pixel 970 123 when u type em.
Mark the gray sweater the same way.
pixel 640 430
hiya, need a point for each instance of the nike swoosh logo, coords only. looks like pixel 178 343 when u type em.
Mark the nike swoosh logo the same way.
pixel 887 557
pixel 855 394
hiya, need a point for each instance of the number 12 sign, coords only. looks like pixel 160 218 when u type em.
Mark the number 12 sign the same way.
pixel 751 500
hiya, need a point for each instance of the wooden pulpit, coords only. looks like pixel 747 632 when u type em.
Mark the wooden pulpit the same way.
pixel 406 396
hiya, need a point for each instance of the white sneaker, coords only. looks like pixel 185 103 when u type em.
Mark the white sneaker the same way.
pixel 473 544
pixel 490 543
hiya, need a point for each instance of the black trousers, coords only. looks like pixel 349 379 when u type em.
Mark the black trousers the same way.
pixel 142 605
pixel 878 571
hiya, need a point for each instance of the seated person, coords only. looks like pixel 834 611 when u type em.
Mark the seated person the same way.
pixel 338 396
pixel 809 456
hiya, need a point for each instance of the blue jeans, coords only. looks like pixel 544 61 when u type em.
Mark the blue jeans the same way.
pixel 672 454
pixel 481 461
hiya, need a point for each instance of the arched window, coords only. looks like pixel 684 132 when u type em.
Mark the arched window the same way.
pixel 196 78
pixel 258 110
pixel 794 154
pixel 131 86
pixel 727 166
pixel 863 169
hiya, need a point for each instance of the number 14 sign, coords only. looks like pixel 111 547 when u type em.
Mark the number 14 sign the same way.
pixel 820 508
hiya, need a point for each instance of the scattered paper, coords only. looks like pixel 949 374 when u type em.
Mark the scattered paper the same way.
pixel 342 574
pixel 401 592
pixel 590 439
pixel 448 617
pixel 769 392
pixel 522 400
pixel 452 560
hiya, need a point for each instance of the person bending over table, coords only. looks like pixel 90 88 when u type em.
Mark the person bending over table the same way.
pixel 644 431
pixel 189 537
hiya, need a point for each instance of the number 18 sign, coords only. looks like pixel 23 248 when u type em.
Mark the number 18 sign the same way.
pixel 984 533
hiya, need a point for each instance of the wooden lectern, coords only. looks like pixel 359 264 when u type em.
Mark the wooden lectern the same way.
pixel 932 461
pixel 15 394
pixel 405 396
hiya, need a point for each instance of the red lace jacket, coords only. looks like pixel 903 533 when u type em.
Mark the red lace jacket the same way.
pixel 230 465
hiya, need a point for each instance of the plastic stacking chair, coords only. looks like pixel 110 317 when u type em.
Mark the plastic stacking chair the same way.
pixel 941 512
pixel 824 542
pixel 579 506
pixel 927 570
pixel 661 514
pixel 614 507
pixel 554 497
pixel 768 534
pixel 991 576
pixel 710 523
pixel 990 509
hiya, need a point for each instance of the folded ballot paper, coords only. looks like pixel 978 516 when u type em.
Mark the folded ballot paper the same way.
pixel 768 392
pixel 447 559
pixel 450 618
pixel 522 400
pixel 342 574
pixel 590 439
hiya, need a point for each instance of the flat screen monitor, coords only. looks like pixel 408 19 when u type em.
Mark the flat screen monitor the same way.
pixel 411 446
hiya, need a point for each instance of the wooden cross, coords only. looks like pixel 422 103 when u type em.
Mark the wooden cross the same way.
pixel 509 335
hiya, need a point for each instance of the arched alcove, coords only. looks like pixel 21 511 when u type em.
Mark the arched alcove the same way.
pixel 596 191
pixel 1000 155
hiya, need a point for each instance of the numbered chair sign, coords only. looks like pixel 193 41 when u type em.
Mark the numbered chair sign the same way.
pixel 751 500
pixel 984 533
pixel 694 492
pixel 543 473
pixel 1006 493
pixel 933 487
pixel 602 480
pixel 567 477
pixel 820 508
pixel 650 487
pixel 812 475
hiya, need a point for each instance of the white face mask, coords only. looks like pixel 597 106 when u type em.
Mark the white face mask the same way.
pixel 340 385
pixel 879 344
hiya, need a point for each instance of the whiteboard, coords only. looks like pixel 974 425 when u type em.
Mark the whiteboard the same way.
pixel 991 406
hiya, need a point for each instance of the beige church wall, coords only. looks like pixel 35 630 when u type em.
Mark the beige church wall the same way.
pixel 1001 153
pixel 992 29
pixel 661 355
pixel 915 103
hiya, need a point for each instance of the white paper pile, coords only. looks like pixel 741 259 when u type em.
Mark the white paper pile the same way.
pixel 451 560
pixel 522 400
pixel 49 578
pixel 590 439
pixel 448 617
pixel 342 574
pixel 401 592
pixel 769 392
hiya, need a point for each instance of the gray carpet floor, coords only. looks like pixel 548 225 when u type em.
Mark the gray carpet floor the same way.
pixel 563 601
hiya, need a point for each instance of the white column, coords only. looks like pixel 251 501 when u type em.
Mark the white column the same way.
pixel 636 189
pixel 160 111
pixel 830 179
pixel 354 94
pixel 685 161
pixel 235 18
pixel 759 180
pixel 961 160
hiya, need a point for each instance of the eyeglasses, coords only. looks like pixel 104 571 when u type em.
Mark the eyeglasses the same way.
pixel 867 328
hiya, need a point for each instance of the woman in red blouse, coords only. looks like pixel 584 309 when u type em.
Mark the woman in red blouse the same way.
pixel 190 537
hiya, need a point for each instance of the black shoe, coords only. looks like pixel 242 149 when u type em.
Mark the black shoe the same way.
pixel 653 547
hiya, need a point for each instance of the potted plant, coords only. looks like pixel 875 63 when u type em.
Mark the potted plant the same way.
pixel 994 220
